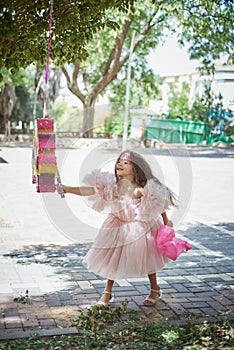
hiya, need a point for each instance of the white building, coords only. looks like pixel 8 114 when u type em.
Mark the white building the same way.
pixel 221 82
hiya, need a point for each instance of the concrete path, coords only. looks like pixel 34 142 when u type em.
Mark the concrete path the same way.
pixel 43 239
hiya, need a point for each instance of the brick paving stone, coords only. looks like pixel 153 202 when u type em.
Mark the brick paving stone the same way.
pixel 53 302
pixel 85 291
pixel 143 289
pixel 84 296
pixel 224 301
pixel 178 309
pixel 161 306
pixel 85 285
pixel 180 300
pixel 120 299
pixel 216 305
pixel 179 287
pixel 195 305
pixel 98 282
pixel 124 283
pixel 203 291
pixel 118 289
pixel 209 311
pixel 90 276
pixel 11 312
pixel 132 305
pixel 128 293
pixel 30 324
pixel 80 302
pixel 168 314
pixel 199 299
pixel 64 296
pixel 13 323
pixel 193 279
pixel 181 295
pixel 195 311
pixel 138 280
pixel 47 323
pixel 77 276
pixel 168 290
pixel 138 299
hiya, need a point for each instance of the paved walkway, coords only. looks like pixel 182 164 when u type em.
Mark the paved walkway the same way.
pixel 36 257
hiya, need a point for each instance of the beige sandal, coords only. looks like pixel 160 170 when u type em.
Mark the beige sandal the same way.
pixel 150 301
pixel 103 303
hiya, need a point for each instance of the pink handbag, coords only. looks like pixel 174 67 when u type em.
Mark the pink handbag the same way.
pixel 168 245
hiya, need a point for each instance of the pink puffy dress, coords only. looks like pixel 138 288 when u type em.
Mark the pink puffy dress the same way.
pixel 126 243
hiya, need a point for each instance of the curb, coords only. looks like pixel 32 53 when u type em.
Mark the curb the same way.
pixel 40 333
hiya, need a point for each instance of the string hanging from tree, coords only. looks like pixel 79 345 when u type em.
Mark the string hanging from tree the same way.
pixel 44 163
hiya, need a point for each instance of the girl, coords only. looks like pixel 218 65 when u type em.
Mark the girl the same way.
pixel 126 243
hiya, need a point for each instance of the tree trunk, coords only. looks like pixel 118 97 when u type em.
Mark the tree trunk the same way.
pixel 47 93
pixel 88 118
pixel 8 99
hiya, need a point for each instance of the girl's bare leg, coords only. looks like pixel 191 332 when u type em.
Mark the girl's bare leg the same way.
pixel 153 286
pixel 108 288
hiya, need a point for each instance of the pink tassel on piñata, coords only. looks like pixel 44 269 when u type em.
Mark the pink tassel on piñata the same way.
pixel 168 245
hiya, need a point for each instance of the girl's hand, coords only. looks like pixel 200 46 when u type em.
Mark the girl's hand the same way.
pixel 61 189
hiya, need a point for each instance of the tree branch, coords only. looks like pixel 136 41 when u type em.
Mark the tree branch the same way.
pixel 86 82
pixel 65 72
pixel 141 36
pixel 72 85
pixel 119 41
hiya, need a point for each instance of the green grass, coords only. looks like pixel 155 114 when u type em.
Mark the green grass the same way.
pixel 120 328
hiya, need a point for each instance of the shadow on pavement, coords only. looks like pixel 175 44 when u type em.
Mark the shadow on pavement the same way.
pixel 196 287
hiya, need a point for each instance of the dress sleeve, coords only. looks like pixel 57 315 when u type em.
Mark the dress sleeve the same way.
pixel 104 185
pixel 155 200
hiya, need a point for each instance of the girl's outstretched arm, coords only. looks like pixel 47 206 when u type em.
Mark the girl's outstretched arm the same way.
pixel 80 191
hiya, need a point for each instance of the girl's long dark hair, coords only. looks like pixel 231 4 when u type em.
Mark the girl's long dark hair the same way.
pixel 142 172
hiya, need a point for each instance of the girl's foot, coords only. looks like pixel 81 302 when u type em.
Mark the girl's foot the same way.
pixel 155 294
pixel 107 297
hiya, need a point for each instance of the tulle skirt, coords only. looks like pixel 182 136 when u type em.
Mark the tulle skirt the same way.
pixel 125 249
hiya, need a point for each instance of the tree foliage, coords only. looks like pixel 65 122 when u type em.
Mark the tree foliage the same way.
pixel 206 25
pixel 24 27
pixel 109 53
pixel 94 38
pixel 208 28
pixel 16 96
pixel 207 108
pixel 178 102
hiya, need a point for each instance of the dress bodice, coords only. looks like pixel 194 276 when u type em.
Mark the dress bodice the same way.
pixel 126 209
pixel 154 201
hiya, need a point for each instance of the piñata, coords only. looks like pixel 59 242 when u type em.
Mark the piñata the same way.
pixel 44 159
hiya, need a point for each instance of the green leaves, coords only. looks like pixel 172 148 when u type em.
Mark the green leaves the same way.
pixel 24 26
pixel 131 332
pixel 206 25
pixel 208 28
pixel 207 108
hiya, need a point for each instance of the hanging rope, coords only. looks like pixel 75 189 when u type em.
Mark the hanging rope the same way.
pixel 49 38
pixel 44 162
pixel 48 59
